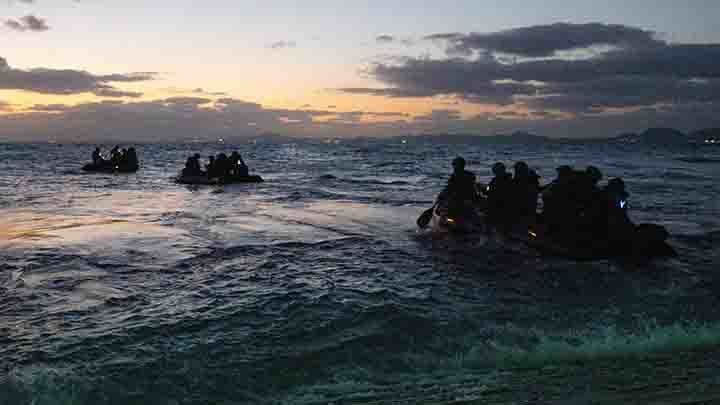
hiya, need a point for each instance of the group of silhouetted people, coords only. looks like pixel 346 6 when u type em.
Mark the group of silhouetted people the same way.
pixel 116 158
pixel 573 203
pixel 219 166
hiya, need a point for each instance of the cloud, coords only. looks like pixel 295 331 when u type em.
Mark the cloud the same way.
pixel 193 101
pixel 14 25
pixel 182 119
pixel 636 71
pixel 67 81
pixel 472 80
pixel 440 116
pixel 209 93
pixel 199 91
pixel 390 39
pixel 50 107
pixel 624 92
pixel 546 40
pixel 385 39
pixel 385 114
pixel 27 23
pixel 112 92
pixel 281 45
pixel 394 92
pixel 185 119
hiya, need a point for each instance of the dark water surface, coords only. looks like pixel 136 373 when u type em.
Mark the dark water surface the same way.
pixel 315 286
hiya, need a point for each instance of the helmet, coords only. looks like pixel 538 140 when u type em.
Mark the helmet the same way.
pixel 594 173
pixel 616 184
pixel 458 161
pixel 564 171
pixel 521 168
pixel 498 167
pixel 521 165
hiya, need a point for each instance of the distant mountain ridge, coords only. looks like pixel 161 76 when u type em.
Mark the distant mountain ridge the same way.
pixel 654 136
pixel 651 136
pixel 515 137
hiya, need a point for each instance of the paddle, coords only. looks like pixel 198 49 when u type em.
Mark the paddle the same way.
pixel 424 218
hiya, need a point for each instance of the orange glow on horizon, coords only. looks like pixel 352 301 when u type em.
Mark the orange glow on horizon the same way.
pixel 309 99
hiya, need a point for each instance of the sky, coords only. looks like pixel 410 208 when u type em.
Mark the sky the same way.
pixel 184 70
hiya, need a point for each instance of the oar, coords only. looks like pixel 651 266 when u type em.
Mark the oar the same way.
pixel 424 218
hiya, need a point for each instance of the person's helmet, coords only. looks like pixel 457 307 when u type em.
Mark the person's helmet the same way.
pixel 521 166
pixel 616 184
pixel 564 171
pixel 459 162
pixel 594 173
pixel 498 168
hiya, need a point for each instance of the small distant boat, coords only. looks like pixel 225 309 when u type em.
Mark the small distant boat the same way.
pixel 204 180
pixel 110 168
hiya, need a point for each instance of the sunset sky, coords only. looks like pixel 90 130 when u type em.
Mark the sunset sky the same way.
pixel 179 70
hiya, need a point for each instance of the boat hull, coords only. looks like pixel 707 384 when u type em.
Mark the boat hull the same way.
pixel 93 168
pixel 647 242
pixel 202 180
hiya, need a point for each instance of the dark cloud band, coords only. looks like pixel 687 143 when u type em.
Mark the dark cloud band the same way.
pixel 637 70
pixel 67 81
pixel 27 23
pixel 546 40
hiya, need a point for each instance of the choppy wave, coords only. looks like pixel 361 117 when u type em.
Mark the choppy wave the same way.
pixel 693 159
pixel 411 374
pixel 365 181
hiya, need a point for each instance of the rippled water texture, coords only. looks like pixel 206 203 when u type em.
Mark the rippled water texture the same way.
pixel 315 286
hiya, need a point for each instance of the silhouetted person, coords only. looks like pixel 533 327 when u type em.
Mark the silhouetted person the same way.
pixel 196 164
pixel 500 196
pixel 526 187
pixel 460 190
pixel 189 169
pixel 238 167
pixel 556 201
pixel 588 184
pixel 620 229
pixel 589 199
pixel 132 159
pixel 115 155
pixel 222 165
pixel 234 161
pixel 123 157
pixel 97 157
pixel 211 167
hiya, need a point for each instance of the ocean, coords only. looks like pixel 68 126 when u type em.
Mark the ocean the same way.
pixel 315 286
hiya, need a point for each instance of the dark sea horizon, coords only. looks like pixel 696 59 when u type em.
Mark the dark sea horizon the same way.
pixel 315 286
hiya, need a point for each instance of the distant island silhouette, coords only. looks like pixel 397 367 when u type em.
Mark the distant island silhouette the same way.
pixel 651 136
